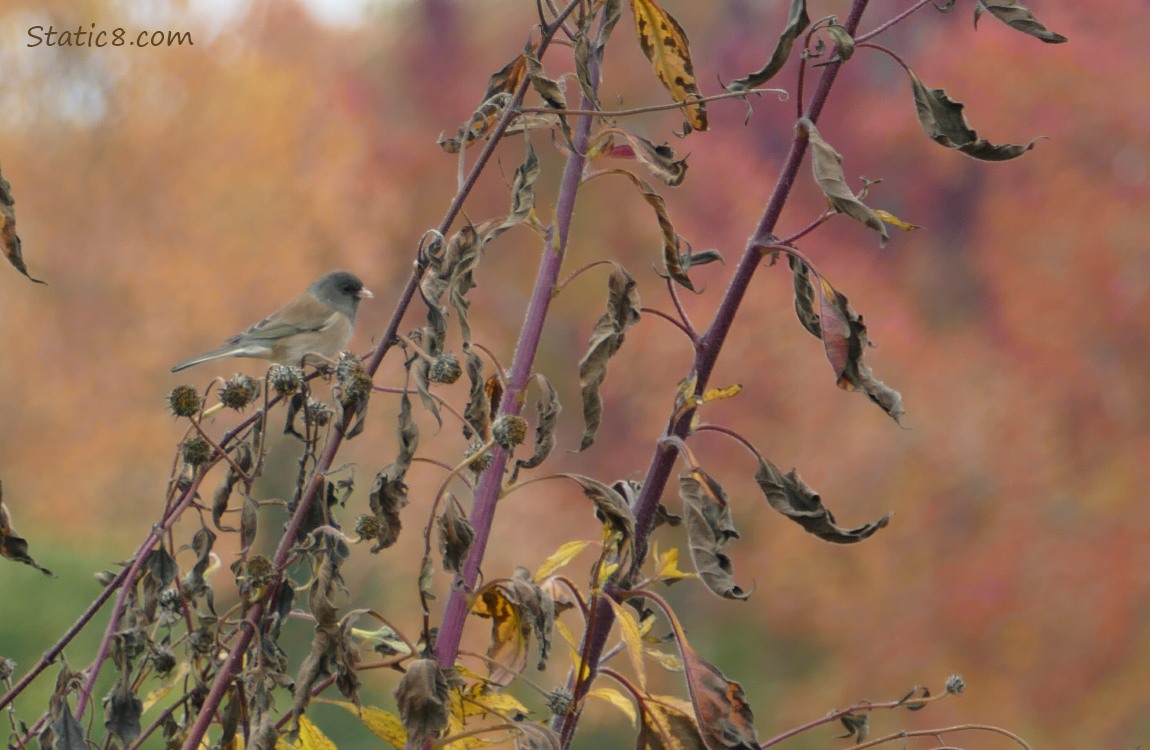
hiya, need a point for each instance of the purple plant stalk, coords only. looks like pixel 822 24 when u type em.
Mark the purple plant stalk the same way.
pixel 706 355
pixel 487 493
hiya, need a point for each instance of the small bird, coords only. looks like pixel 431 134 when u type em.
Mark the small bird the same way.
pixel 318 322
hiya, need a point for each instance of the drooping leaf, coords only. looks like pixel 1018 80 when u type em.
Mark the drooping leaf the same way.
pixel 389 491
pixel 669 724
pixel 547 88
pixel 422 700
pixel 507 79
pixel 797 22
pixel 844 337
pixel 844 43
pixel 9 240
pixel 790 495
pixel 548 408
pixel 610 506
pixel 532 736
pixel 665 44
pixel 1018 17
pixel 660 161
pixel 709 528
pixel 482 122
pixel 828 170
pixel 857 726
pixel 455 535
pixel 622 313
pixel 522 195
pixel 518 608
pixel 242 456
pixel 12 546
pixel 942 119
pixel 123 710
pixel 588 50
pixel 479 410
pixel 724 718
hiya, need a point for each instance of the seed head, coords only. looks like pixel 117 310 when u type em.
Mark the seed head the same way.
pixel 184 401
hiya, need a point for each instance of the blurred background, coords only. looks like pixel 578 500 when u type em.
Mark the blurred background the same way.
pixel 171 196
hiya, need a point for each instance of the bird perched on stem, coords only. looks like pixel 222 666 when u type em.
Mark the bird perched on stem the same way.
pixel 316 325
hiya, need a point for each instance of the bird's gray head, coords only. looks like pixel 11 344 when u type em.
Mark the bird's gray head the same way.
pixel 342 290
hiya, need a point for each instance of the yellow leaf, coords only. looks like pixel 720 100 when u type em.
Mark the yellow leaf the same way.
pixel 890 218
pixel 715 394
pixel 457 725
pixel 616 699
pixel 383 724
pixel 632 639
pixel 665 44
pixel 669 662
pixel 669 566
pixel 311 738
pixel 480 700
pixel 157 695
pixel 559 558
pixel 606 572
pixel 572 644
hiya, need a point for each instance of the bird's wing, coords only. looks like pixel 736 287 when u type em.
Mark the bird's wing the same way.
pixel 304 315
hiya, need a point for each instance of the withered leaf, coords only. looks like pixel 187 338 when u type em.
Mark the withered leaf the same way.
pixel 161 565
pixel 1018 17
pixel 455 535
pixel 482 121
pixel 942 119
pixel 123 709
pixel 478 412
pixel 725 718
pixel 588 50
pixel 532 736
pixel 622 313
pixel 610 507
pixel 844 337
pixel 828 170
pixel 9 240
pixel 844 43
pixel 790 495
pixel 797 21
pixel 507 79
pixel 857 726
pixel 709 528
pixel 242 456
pixel 518 608
pixel 672 258
pixel 388 496
pixel 423 701
pixel 12 546
pixel 249 523
pixel 660 161
pixel 666 726
pixel 547 88
pixel 522 198
pixel 547 407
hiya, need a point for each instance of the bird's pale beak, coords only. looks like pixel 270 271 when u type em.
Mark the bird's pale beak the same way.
pixel 365 294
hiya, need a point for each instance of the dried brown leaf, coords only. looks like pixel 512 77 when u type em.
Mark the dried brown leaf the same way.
pixel 790 495
pixel 797 21
pixel 12 546
pixel 1018 17
pixel 548 408
pixel 724 717
pixel 622 313
pixel 942 119
pixel 668 726
pixel 455 535
pixel 423 701
pixel 828 170
pixel 709 528
pixel 9 240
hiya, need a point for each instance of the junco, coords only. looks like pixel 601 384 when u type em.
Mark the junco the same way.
pixel 318 322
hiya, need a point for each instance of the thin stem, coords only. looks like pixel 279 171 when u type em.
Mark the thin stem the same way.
pixel 678 324
pixel 897 19
pixel 652 107
pixel 942 730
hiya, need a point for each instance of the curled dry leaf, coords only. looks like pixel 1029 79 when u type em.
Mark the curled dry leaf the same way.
pixel 12 546
pixel 665 44
pixel 518 608
pixel 797 21
pixel 709 528
pixel 482 121
pixel 547 408
pixel 622 313
pixel 669 724
pixel 423 701
pixel 942 119
pixel 122 711
pixel 9 240
pixel 242 456
pixel 724 718
pixel 610 506
pixel 1018 17
pixel 660 160
pixel 828 170
pixel 790 495
pixel 479 410
pixel 844 336
pixel 507 79
pixel 455 535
